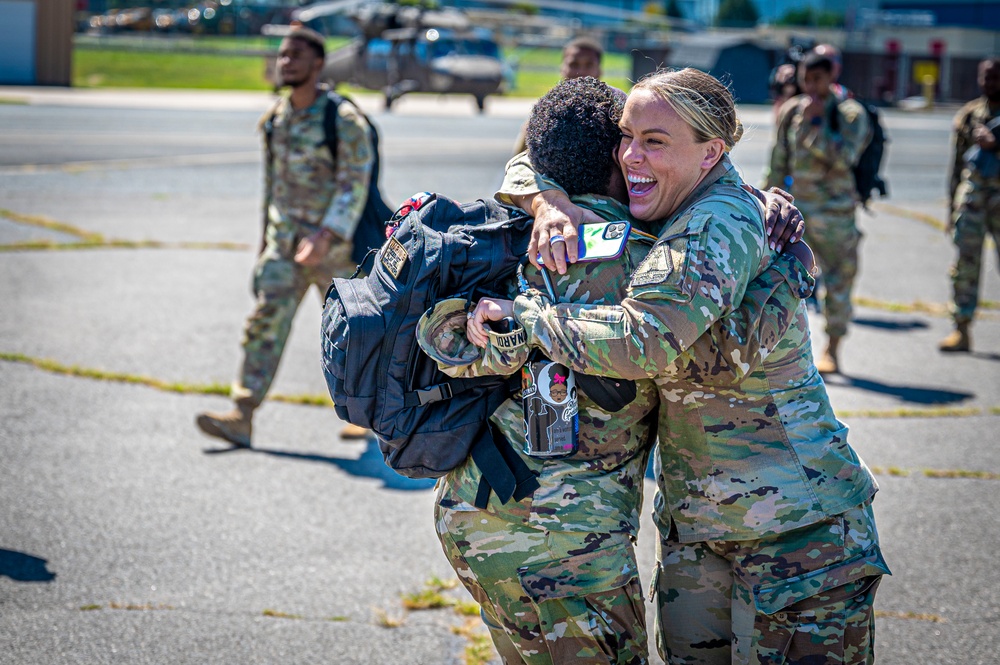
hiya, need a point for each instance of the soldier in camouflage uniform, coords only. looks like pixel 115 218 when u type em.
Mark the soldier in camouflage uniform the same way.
pixel 555 572
pixel 974 198
pixel 814 162
pixel 313 203
pixel 768 550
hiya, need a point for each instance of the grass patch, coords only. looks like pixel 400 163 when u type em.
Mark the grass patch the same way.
pixel 382 618
pixel 936 473
pixel 938 412
pixel 116 377
pixel 431 596
pixel 49 245
pixel 915 616
pixel 144 607
pixel 91 240
pixel 467 608
pixel 929 220
pixel 149 382
pixel 479 649
pixel 51 225
pixel 114 68
pixel 90 608
pixel 281 615
pixel 13 101
pixel 961 473
pixel 338 618
pixel 226 63
pixel 936 309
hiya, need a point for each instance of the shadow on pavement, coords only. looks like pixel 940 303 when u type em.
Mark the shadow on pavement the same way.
pixel 24 567
pixel 885 324
pixel 369 465
pixel 912 394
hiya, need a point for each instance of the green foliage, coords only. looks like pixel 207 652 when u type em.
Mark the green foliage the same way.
pixel 223 65
pixel 809 16
pixel 737 13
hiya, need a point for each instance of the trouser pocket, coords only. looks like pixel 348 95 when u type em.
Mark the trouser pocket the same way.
pixel 825 616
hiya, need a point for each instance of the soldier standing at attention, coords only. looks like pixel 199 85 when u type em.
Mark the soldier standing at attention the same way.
pixel 974 198
pixel 819 139
pixel 313 203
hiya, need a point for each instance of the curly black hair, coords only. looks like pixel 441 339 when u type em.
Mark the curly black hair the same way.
pixel 572 131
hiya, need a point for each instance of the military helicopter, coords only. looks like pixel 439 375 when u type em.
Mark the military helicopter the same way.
pixel 405 49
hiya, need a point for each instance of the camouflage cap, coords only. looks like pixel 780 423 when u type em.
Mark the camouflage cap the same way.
pixel 441 333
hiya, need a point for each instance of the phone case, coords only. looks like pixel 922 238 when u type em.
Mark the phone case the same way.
pixel 602 241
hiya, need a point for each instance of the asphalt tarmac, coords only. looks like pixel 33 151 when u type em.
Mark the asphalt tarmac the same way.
pixel 129 537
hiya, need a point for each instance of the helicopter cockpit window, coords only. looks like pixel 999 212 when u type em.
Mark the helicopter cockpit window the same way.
pixel 377 54
pixel 445 47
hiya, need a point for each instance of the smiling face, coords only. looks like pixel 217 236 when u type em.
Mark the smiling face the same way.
pixel 660 156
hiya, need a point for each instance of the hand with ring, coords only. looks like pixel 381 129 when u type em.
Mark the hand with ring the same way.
pixel 553 235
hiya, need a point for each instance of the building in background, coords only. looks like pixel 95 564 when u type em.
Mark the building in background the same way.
pixel 36 42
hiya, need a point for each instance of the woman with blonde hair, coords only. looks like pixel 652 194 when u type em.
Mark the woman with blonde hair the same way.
pixel 768 550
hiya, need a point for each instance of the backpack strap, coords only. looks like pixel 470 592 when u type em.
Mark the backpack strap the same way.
pixel 369 233
pixel 503 470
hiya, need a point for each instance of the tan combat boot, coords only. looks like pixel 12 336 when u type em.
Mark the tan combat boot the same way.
pixel 958 340
pixel 352 431
pixel 827 363
pixel 233 426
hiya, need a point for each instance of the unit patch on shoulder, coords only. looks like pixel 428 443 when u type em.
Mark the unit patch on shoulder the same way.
pixel 394 257
pixel 655 268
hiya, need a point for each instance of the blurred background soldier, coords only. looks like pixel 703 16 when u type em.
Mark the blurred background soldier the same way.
pixel 580 57
pixel 313 203
pixel 974 198
pixel 819 139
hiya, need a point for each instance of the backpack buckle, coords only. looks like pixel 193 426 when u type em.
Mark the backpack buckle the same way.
pixel 433 393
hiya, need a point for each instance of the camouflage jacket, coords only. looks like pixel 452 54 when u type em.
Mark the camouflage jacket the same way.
pixel 741 460
pixel 306 187
pixel 599 488
pixel 605 476
pixel 976 112
pixel 810 160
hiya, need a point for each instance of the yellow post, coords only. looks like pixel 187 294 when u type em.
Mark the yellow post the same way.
pixel 928 85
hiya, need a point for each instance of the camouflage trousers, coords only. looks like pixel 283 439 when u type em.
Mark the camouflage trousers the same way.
pixel 549 597
pixel 834 238
pixel 279 285
pixel 804 596
pixel 977 214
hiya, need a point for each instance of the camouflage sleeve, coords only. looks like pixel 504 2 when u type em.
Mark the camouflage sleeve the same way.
pixel 736 345
pixel 504 355
pixel 961 142
pixel 777 170
pixel 855 133
pixel 520 178
pixel 695 275
pixel 352 175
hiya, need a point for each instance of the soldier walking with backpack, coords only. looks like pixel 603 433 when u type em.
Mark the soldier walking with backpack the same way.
pixel 819 139
pixel 313 202
pixel 974 198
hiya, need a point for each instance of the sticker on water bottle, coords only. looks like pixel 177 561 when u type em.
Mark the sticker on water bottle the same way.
pixel 551 421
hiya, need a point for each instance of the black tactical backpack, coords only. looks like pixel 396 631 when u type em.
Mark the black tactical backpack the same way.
pixel 376 373
pixel 866 171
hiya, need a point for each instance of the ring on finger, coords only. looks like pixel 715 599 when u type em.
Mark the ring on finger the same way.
pixel 556 238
